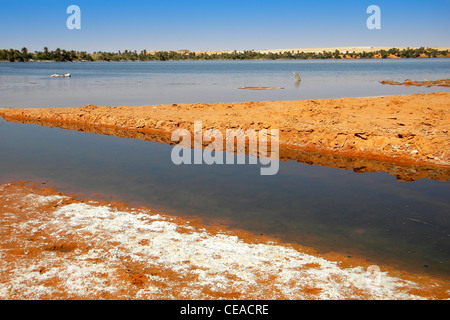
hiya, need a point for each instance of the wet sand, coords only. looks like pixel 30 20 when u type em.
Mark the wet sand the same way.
pixel 406 129
pixel 59 246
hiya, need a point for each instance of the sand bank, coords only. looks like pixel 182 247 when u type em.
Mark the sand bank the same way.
pixel 408 129
pixel 57 246
pixel 402 171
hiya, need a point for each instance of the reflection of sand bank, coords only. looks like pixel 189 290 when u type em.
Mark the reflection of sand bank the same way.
pixel 54 246
pixel 409 129
pixel 402 171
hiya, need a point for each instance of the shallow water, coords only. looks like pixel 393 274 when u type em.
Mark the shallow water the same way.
pixel 370 214
pixel 404 224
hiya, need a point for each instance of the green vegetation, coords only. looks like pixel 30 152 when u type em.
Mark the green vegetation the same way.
pixel 23 55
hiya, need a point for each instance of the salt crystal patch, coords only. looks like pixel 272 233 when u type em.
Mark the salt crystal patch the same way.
pixel 222 262
pixel 39 200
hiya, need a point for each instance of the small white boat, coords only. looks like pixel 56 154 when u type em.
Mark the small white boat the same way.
pixel 66 75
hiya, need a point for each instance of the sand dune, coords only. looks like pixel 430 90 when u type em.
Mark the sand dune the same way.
pixel 355 49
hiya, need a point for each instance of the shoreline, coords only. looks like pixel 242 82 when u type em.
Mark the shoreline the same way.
pixel 405 129
pixel 72 248
pixel 344 58
pixel 14 55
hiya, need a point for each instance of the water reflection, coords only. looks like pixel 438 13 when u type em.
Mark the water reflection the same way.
pixel 402 171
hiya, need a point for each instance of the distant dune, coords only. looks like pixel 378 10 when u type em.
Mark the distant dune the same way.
pixel 317 50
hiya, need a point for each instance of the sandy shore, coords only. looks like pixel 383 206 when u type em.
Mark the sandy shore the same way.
pixel 57 246
pixel 407 129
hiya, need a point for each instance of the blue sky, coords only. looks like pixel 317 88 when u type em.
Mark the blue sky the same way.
pixel 111 25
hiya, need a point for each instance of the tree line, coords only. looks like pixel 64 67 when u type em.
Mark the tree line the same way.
pixel 61 55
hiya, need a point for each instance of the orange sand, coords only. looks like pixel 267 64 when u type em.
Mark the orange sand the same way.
pixel 410 129
pixel 402 171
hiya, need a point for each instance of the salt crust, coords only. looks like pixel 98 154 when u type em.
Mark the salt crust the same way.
pixel 219 262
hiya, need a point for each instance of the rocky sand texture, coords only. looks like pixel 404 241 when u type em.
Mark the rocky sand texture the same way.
pixel 402 171
pixel 408 129
pixel 58 246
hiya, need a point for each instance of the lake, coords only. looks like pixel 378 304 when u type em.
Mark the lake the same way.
pixel 143 83
pixel 403 224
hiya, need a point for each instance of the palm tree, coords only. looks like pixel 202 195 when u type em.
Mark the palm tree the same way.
pixel 24 56
pixel 58 54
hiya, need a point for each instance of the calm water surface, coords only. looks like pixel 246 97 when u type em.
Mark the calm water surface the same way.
pixel 141 83
pixel 405 224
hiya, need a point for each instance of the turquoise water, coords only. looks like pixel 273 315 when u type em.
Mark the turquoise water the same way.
pixel 405 224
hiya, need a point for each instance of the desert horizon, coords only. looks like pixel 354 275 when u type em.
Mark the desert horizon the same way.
pixel 350 49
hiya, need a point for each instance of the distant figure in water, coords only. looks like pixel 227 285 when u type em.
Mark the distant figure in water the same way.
pixel 299 79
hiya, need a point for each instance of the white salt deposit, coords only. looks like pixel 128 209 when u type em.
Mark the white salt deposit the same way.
pixel 220 262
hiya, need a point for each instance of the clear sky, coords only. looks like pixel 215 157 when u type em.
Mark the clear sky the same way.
pixel 112 25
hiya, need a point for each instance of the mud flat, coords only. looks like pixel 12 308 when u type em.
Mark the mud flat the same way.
pixel 404 129
pixel 59 246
